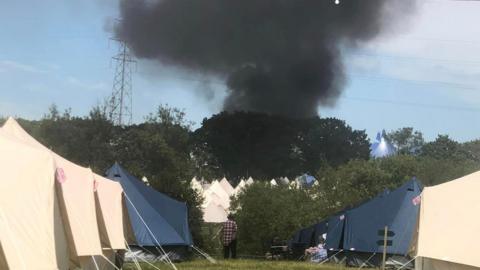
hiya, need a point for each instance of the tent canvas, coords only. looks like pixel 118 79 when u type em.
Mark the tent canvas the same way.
pixel 165 217
pixel 240 187
pixel 213 198
pixel 396 209
pixel 214 213
pixel 77 196
pixel 305 236
pixel 226 186
pixel 319 230
pixel 300 241
pixel 217 203
pixel 335 230
pixel 216 189
pixel 448 226
pixel 310 236
pixel 110 209
pixel 78 200
pixel 32 233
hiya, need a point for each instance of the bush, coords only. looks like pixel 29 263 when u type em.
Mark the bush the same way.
pixel 263 212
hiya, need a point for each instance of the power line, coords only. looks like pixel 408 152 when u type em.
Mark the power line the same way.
pixel 413 104
pixel 416 58
pixel 457 86
pixel 394 102
pixel 436 39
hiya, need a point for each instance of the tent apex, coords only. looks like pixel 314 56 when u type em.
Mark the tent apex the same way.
pixel 11 121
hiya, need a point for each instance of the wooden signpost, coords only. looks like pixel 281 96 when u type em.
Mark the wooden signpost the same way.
pixel 385 243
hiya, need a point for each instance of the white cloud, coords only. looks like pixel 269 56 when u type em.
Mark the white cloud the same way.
pixel 9 65
pixel 89 86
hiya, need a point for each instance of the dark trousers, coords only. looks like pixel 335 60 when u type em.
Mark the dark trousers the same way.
pixel 230 250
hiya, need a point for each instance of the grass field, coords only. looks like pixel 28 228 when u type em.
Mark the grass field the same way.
pixel 240 265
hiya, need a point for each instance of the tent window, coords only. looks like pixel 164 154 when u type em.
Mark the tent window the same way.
pixel 410 189
pixel 117 175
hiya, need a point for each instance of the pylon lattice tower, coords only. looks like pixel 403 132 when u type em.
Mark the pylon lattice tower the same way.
pixel 120 103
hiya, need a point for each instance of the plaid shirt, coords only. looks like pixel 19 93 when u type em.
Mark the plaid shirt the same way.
pixel 229 232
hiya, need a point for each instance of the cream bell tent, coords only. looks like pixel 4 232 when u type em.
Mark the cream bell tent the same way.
pixel 241 185
pixel 217 190
pixel 214 213
pixel 226 186
pixel 216 198
pixel 205 185
pixel 77 193
pixel 31 228
pixel 219 197
pixel 212 197
pixel 249 181
pixel 449 226
pixel 82 197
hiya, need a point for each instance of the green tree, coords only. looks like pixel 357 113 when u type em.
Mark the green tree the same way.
pixel 246 144
pixel 263 212
pixel 445 148
pixel 473 148
pixel 85 141
pixel 330 141
pixel 406 140
pixel 400 168
pixel 434 171
pixel 266 146
pixel 350 184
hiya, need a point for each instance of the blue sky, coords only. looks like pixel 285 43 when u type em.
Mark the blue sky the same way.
pixel 425 75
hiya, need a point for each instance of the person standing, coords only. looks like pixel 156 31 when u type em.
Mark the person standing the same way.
pixel 229 230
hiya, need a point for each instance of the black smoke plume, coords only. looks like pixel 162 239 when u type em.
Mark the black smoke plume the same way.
pixel 279 56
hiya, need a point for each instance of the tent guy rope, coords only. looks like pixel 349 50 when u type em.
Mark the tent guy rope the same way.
pixel 150 232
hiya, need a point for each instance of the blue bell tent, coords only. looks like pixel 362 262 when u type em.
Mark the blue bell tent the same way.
pixel 154 216
pixel 396 209
pixel 356 232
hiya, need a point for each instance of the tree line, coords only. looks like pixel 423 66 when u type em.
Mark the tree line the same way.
pixel 169 151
